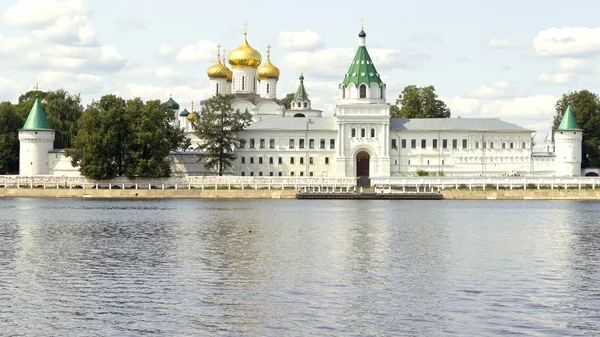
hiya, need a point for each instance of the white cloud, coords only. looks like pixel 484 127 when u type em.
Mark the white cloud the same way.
pixel 521 108
pixel 493 90
pixel 166 50
pixel 72 82
pixel 41 13
pixel 573 65
pixel 202 51
pixel 299 41
pixel 14 45
pixel 556 78
pixel 506 44
pixel 567 41
pixel 74 30
pixel 184 95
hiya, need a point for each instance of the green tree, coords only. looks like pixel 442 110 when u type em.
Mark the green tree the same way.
pixel 63 110
pixel 415 102
pixel 586 108
pixel 218 128
pixel 10 123
pixel 125 138
pixel 288 100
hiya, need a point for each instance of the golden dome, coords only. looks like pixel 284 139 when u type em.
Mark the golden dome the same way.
pixel 245 56
pixel 218 70
pixel 193 117
pixel 268 70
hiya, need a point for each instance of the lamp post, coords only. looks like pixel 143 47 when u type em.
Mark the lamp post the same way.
pixel 308 121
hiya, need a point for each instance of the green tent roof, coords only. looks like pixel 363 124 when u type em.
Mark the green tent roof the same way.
pixel 171 104
pixel 301 94
pixel 362 69
pixel 568 123
pixel 37 118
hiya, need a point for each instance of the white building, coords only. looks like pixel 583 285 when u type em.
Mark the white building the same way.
pixel 361 140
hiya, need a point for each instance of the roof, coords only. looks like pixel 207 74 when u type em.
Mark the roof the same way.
pixel 37 118
pixel 362 69
pixel 184 113
pixel 454 124
pixel 295 124
pixel 171 104
pixel 301 94
pixel 568 122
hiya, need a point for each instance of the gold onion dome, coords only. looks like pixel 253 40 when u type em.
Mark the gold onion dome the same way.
pixel 193 117
pixel 245 56
pixel 268 70
pixel 218 70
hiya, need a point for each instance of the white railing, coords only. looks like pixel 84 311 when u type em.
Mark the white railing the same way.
pixel 205 182
pixel 440 183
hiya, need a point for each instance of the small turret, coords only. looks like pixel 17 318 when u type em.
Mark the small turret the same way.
pixel 568 138
pixel 36 140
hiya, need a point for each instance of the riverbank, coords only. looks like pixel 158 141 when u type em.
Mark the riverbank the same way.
pixel 448 194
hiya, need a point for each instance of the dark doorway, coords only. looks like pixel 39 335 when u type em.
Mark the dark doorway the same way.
pixel 362 164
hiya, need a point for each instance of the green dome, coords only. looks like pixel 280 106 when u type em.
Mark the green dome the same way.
pixel 171 104
pixel 184 113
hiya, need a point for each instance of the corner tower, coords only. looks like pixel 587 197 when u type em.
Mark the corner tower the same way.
pixel 363 119
pixel 567 139
pixel 36 140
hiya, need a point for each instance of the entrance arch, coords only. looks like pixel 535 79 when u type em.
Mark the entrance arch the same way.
pixel 362 164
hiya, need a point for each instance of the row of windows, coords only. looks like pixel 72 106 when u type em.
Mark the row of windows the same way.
pixel 280 174
pixel 434 144
pixel 363 133
pixel 311 160
pixel 292 143
pixel 362 91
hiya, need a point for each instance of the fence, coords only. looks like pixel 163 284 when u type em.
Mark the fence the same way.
pixel 440 183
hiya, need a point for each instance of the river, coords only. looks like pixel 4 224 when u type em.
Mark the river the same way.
pixel 299 268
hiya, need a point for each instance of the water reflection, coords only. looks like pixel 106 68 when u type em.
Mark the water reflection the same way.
pixel 259 267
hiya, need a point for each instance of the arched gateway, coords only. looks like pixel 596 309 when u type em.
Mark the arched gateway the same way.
pixel 362 164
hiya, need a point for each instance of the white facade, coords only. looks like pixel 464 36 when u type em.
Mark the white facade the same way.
pixel 568 152
pixel 34 158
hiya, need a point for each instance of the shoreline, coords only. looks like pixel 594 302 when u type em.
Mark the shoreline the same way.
pixel 448 194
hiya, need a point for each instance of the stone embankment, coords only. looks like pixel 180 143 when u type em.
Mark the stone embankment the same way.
pixel 147 194
pixel 532 194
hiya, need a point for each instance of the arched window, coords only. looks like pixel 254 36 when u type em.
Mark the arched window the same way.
pixel 217 87
pixel 299 104
pixel 243 83
pixel 363 133
pixel 343 92
pixel 363 91
pixel 353 132
pixel 372 133
pixel 268 88
pixel 305 104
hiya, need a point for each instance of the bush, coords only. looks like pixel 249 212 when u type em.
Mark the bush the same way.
pixel 422 173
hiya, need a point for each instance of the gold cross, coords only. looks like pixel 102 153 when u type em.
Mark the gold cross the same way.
pixel 301 69
pixel 192 106
pixel 245 27
pixel 362 24
pixel 171 90
pixel 268 51
pixel 218 51
pixel 224 56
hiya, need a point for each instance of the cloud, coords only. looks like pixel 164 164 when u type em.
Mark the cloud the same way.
pixel 38 14
pixel 567 41
pixel 573 65
pixel 202 51
pixel 507 44
pixel 166 51
pixel 493 90
pixel 184 95
pixel 71 30
pixel 14 45
pixel 556 78
pixel 520 108
pixel 299 41
pixel 72 82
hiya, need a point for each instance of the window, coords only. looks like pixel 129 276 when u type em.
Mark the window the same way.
pixel 243 159
pixel 454 143
pixel 302 174
pixel 251 174
pixel 271 174
pixel 268 88
pixel 343 92
pixel 271 160
pixel 464 143
pixel 409 162
pixel 423 143
pixel 363 133
pixel 301 160
pixel 291 143
pixel 404 143
pixel 311 174
pixel 524 145
pixel 243 82
pixel 491 145
pixel 476 145
pixel 442 162
pixel 262 143
pixel 363 91
pixel 326 160
pixel 322 145
pixel 280 160
pixel 243 173
pixel 484 145
pixel 251 160
pixel 242 143
pixel 394 144
pixel 332 144
pixel 311 143
pixel 306 104
pixel 444 143
pixel 311 160
pixel 217 88
pixel 280 174
pixel 260 174
pixel 353 132
pixel 301 145
pixel 251 143
pixel 271 143
pixel 512 146
pixel 260 160
pixel 292 173
pixel 427 161
pixel 372 133
pixel 413 143
pixel 292 161
pixel 435 143
pixel 504 145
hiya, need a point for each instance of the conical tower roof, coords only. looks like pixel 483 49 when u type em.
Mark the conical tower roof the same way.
pixel 568 122
pixel 301 94
pixel 37 118
pixel 362 69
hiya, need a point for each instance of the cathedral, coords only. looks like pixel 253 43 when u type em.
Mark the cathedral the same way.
pixel 360 140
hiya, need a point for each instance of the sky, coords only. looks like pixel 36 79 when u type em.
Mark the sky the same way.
pixel 504 59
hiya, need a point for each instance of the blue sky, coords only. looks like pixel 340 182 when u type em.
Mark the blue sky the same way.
pixel 509 59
